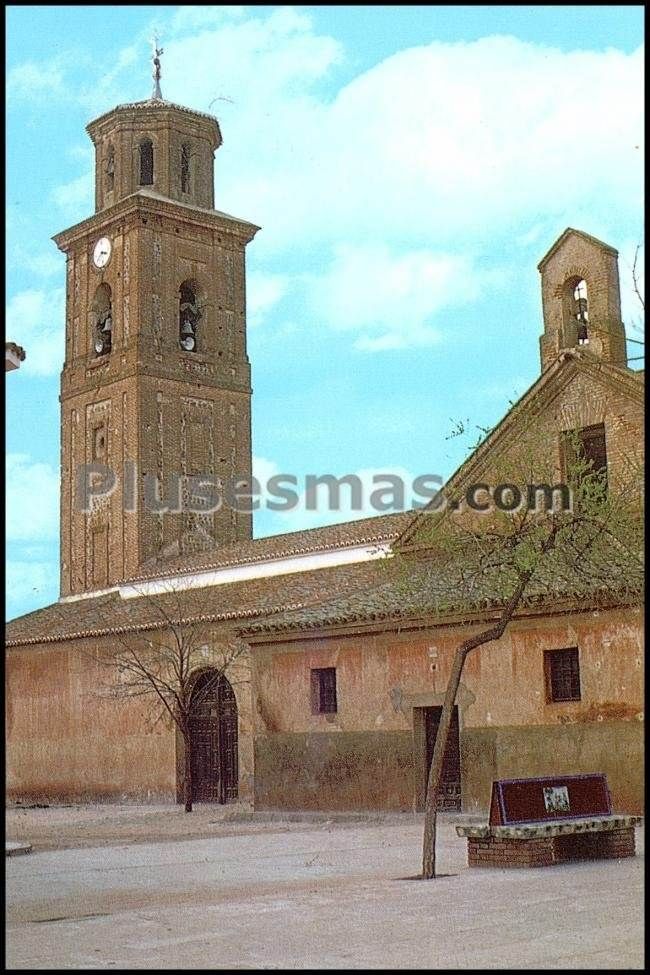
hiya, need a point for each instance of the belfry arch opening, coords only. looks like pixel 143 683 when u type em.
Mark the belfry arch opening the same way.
pixel 189 315
pixel 101 316
pixel 214 739
pixel 576 312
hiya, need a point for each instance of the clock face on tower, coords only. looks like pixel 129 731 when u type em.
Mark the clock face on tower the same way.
pixel 102 252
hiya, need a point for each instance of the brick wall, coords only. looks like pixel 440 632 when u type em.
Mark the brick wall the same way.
pixel 579 257
pixel 147 391
pixel 505 853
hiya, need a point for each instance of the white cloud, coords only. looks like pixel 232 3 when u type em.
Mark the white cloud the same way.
pixel 461 149
pixel 263 291
pixel 35 319
pixel 43 264
pixel 191 17
pixel 391 299
pixel 32 80
pixel 77 194
pixel 445 142
pixel 32 499
pixel 82 152
pixel 266 65
pixel 441 143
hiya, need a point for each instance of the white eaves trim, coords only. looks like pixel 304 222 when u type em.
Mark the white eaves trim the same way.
pixel 256 570
pixel 87 595
pixel 240 573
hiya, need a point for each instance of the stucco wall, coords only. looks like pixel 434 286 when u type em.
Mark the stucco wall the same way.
pixel 612 747
pixel 365 755
pixel 66 740
pixel 321 770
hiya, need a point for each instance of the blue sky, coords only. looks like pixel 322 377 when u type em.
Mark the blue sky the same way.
pixel 408 167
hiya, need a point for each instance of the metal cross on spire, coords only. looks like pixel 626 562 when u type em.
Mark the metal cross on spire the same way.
pixel 157 51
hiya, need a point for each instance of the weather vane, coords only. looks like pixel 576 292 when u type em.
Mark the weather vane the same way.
pixel 157 51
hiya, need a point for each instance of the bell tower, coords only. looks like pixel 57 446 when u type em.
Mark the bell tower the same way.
pixel 155 385
pixel 581 299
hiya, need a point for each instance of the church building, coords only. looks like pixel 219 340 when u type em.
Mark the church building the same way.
pixel 335 703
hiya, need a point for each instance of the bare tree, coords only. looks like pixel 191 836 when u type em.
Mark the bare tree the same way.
pixel 161 660
pixel 492 563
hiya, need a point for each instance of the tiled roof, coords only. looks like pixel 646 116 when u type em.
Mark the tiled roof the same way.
pixel 365 531
pixel 427 591
pixel 357 593
pixel 245 600
pixel 153 104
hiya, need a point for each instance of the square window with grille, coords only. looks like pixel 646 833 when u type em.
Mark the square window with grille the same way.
pixel 323 690
pixel 592 446
pixel 562 675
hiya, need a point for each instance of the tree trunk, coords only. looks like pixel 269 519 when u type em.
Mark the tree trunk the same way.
pixel 435 772
pixel 437 761
pixel 187 780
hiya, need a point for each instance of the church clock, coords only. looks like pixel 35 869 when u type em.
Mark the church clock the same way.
pixel 102 252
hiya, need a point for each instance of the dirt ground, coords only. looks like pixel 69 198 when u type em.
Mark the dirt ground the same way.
pixel 80 826
pixel 129 888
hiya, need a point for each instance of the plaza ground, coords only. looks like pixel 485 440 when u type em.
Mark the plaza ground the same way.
pixel 150 887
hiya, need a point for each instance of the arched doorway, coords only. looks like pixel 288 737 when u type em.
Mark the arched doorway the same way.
pixel 213 731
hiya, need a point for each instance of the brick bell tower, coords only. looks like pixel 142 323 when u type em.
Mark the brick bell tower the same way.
pixel 156 379
pixel 581 299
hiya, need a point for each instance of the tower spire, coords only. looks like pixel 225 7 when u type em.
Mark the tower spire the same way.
pixel 157 51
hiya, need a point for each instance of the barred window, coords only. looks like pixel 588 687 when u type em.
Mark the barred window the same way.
pixel 562 675
pixel 323 690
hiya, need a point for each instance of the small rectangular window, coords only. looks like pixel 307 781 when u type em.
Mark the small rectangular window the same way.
pixel 323 690
pixel 592 446
pixel 562 675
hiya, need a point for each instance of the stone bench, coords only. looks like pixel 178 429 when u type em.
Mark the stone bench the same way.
pixel 545 844
pixel 544 821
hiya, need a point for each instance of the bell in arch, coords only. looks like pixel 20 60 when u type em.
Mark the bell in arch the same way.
pixel 581 312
